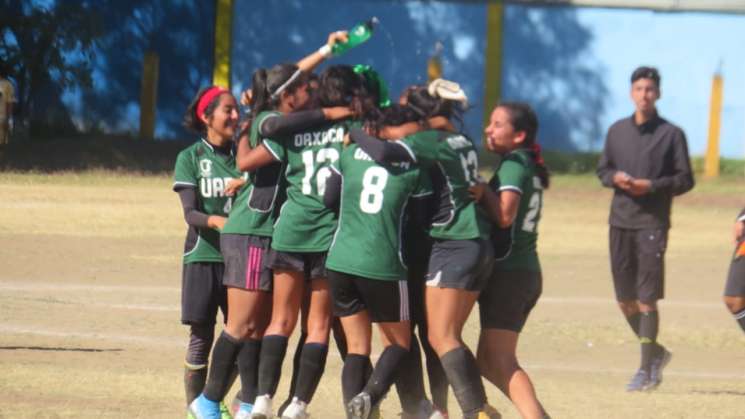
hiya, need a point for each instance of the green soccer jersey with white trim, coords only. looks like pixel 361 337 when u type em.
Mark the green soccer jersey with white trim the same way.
pixel 304 223
pixel 517 173
pixel 455 160
pixel 367 241
pixel 200 167
pixel 257 204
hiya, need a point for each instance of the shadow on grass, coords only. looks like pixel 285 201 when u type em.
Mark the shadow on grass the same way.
pixel 55 349
pixel 719 392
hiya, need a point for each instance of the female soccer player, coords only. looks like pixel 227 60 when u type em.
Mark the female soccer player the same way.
pixel 370 290
pixel 734 290
pixel 277 99
pixel 206 180
pixel 513 199
pixel 461 258
pixel 301 238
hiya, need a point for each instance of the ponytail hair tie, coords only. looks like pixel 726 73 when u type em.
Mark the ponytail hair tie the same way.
pixel 536 149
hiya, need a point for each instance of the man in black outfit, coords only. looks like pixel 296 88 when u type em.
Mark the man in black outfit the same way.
pixel 645 161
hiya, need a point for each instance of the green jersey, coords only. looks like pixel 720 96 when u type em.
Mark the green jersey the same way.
pixel 367 241
pixel 456 164
pixel 256 206
pixel 517 173
pixel 203 169
pixel 304 223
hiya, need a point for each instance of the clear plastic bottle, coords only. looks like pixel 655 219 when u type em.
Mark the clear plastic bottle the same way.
pixel 360 33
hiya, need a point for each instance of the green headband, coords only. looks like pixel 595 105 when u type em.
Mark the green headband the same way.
pixel 373 80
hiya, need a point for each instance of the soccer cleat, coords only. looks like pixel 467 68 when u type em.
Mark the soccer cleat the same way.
pixel 639 381
pixel 203 408
pixel 655 369
pixel 359 407
pixel 224 411
pixel 244 411
pixel 297 409
pixel 424 411
pixel 262 408
pixel 438 414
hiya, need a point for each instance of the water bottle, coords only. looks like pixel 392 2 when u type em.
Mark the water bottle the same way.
pixel 360 33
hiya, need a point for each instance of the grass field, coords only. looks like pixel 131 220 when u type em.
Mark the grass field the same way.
pixel 89 306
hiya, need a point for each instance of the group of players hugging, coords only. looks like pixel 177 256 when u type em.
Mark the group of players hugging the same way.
pixel 331 205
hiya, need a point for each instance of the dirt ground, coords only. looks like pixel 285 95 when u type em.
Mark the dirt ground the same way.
pixel 89 306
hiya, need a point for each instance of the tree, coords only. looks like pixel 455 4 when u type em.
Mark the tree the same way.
pixel 47 48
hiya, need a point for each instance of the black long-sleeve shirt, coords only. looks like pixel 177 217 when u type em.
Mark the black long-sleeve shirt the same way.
pixel 656 150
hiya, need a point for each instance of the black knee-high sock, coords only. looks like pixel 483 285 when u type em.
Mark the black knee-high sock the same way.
pixel 410 379
pixel 312 364
pixel 295 370
pixel 273 350
pixel 385 372
pixel 464 376
pixel 353 375
pixel 222 367
pixel 438 381
pixel 248 366
pixel 633 321
pixel 194 379
pixel 740 318
pixel 648 327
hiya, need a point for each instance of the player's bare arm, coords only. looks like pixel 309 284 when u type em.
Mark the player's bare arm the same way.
pixel 502 207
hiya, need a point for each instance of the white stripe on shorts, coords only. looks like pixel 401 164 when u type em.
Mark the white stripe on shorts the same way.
pixel 403 296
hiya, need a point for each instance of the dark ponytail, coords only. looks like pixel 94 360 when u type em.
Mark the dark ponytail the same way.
pixel 191 121
pixel 425 106
pixel 266 83
pixel 340 85
pixel 523 118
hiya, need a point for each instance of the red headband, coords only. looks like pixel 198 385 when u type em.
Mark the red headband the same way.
pixel 208 97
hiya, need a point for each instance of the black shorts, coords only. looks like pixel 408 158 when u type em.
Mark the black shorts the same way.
pixel 246 261
pixel 385 301
pixel 638 263
pixel 460 264
pixel 508 299
pixel 312 264
pixel 735 286
pixel 202 293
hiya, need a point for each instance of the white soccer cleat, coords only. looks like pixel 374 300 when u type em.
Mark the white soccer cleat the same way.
pixel 262 408
pixel 296 410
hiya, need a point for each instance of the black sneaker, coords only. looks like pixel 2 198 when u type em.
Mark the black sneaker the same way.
pixel 639 381
pixel 655 369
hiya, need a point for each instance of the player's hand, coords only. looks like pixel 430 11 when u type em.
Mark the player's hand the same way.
pixel 216 222
pixel 622 180
pixel 639 187
pixel 739 231
pixel 234 185
pixel 246 97
pixel 337 112
pixel 478 191
pixel 337 37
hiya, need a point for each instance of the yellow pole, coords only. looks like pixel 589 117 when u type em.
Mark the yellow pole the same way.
pixel 149 94
pixel 434 64
pixel 711 162
pixel 223 30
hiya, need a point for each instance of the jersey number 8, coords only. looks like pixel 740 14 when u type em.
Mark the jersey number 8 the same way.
pixel 373 183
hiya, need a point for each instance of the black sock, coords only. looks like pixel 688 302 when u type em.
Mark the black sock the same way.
pixel 648 327
pixel 740 318
pixel 295 370
pixel 194 380
pixel 464 376
pixel 248 365
pixel 273 350
pixel 410 379
pixel 312 364
pixel 438 381
pixel 353 375
pixel 633 321
pixel 221 369
pixel 385 372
